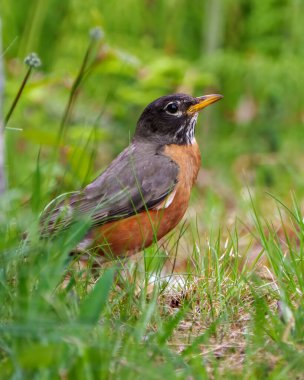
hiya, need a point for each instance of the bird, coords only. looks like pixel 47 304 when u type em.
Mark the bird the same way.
pixel 144 192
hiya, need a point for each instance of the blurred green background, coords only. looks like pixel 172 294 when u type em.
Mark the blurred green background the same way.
pixel 250 51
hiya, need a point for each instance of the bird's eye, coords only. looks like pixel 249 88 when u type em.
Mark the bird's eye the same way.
pixel 172 108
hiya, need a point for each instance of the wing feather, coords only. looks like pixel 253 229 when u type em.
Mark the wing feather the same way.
pixel 139 178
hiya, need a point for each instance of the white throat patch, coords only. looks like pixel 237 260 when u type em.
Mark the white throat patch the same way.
pixel 191 130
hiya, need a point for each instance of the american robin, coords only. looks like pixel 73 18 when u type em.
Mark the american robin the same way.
pixel 144 192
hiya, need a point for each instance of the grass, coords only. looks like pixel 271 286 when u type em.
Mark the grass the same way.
pixel 212 317
pixel 215 300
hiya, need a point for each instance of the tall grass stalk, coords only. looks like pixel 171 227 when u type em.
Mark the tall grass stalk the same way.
pixel 32 61
pixel 95 35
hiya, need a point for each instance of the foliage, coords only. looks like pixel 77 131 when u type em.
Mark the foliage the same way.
pixel 216 318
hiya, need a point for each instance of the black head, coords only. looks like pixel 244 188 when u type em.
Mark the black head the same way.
pixel 171 119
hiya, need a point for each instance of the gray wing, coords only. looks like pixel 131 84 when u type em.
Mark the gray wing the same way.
pixel 139 178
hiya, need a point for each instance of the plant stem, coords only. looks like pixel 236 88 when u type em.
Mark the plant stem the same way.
pixel 73 93
pixel 13 106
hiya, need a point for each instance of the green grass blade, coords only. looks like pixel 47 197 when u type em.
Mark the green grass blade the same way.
pixel 95 302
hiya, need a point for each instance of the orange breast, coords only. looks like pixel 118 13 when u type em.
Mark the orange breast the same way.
pixel 130 235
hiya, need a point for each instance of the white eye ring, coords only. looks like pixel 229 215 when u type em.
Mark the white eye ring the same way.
pixel 172 108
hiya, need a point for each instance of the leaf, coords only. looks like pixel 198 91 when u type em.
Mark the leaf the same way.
pixel 80 160
pixel 36 195
pixel 37 355
pixel 41 137
pixel 95 302
pixel 69 238
pixel 170 325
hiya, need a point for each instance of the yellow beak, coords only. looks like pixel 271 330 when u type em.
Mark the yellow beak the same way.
pixel 203 101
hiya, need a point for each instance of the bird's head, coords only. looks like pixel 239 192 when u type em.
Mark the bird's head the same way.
pixel 171 119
